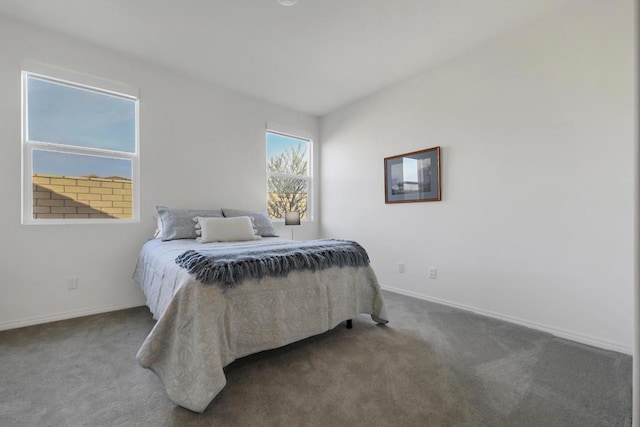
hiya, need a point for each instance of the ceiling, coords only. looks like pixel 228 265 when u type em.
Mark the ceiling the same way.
pixel 313 57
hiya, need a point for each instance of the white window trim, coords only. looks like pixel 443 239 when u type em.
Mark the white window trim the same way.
pixel 298 134
pixel 35 69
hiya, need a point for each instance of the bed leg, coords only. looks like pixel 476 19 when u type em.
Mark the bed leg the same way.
pixel 349 324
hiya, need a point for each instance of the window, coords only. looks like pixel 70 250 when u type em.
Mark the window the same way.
pixel 288 175
pixel 80 149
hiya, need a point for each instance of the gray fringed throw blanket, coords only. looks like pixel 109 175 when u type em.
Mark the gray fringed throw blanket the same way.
pixel 231 266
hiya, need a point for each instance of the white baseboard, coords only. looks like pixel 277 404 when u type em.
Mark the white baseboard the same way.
pixel 562 333
pixel 30 321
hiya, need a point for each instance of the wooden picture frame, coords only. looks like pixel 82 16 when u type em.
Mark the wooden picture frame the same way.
pixel 413 177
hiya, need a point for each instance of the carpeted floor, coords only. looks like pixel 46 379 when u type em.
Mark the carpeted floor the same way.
pixel 431 366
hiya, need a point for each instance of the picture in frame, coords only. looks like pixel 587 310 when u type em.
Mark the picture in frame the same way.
pixel 413 177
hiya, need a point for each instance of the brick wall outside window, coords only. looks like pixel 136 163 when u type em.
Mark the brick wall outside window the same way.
pixel 61 197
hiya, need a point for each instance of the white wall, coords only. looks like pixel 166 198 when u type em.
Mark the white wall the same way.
pixel 201 146
pixel 536 130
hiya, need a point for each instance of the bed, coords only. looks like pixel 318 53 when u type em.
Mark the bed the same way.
pixel 201 328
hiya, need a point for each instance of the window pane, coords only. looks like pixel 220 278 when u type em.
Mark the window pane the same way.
pixel 287 194
pixel 287 154
pixel 67 186
pixel 70 115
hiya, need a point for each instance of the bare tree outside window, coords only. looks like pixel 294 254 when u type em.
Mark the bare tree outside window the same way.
pixel 287 175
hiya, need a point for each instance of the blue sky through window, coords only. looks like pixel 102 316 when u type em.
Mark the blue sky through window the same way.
pixel 55 163
pixel 278 144
pixel 70 115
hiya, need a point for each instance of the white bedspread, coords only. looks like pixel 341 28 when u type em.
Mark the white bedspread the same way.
pixel 202 328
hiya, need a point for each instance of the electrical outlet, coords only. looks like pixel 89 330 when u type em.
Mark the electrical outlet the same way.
pixel 72 283
pixel 433 273
pixel 400 267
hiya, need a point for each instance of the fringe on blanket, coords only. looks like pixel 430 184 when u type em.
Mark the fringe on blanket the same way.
pixel 230 270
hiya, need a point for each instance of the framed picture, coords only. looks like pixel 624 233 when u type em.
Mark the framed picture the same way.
pixel 413 177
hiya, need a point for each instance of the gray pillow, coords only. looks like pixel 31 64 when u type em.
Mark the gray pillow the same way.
pixel 261 220
pixel 178 223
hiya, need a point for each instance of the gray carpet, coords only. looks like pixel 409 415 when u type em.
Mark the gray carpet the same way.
pixel 432 366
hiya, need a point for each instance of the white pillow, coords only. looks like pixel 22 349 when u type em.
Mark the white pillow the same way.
pixel 226 229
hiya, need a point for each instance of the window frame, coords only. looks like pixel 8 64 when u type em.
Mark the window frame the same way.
pixel 297 134
pixel 83 82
